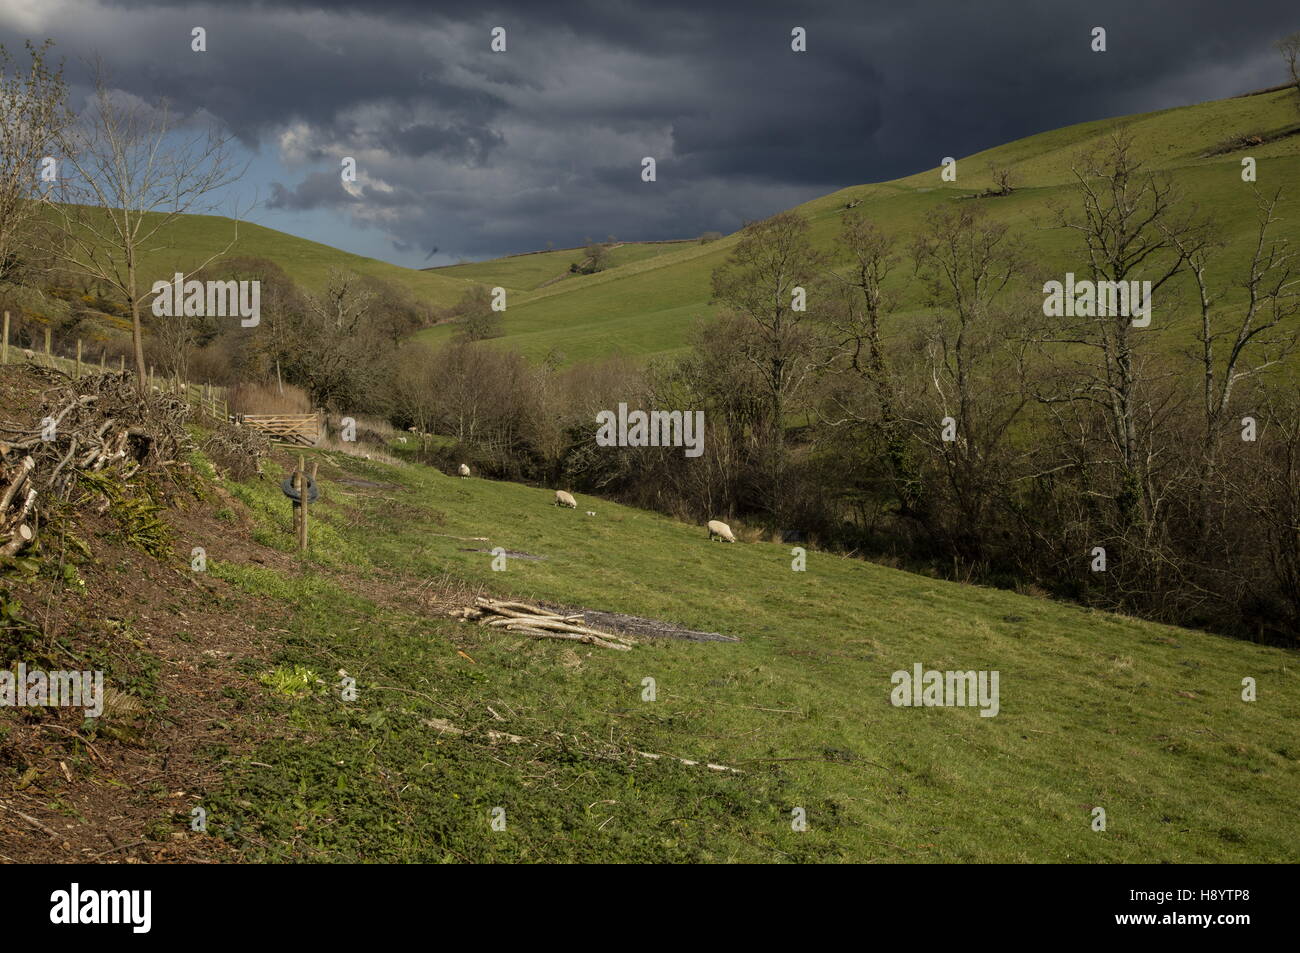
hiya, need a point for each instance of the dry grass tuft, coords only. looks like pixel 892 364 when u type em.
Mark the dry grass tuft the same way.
pixel 268 399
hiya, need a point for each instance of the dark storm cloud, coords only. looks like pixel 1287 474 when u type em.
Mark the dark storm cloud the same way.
pixel 314 191
pixel 498 153
pixel 460 140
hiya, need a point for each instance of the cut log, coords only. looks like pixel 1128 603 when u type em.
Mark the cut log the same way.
pixel 22 535
pixel 27 504
pixel 24 468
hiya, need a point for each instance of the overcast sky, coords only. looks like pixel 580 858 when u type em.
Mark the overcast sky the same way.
pixel 479 154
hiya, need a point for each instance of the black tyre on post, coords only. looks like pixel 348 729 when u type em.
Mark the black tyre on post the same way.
pixel 287 488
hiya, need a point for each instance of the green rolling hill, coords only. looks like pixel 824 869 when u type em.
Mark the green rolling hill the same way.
pixel 192 239
pixel 535 270
pixel 646 306
pixel 645 302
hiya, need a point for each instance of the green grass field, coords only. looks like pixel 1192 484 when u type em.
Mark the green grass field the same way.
pixel 1097 710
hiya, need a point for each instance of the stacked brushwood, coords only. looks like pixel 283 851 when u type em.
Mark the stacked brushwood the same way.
pixel 538 623
pixel 237 450
pixel 91 424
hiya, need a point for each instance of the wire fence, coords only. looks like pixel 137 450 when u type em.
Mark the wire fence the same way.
pixel 207 399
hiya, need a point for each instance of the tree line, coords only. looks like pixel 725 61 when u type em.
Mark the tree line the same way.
pixel 1145 469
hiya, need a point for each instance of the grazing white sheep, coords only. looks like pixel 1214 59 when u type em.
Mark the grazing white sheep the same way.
pixel 721 530
pixel 464 470
pixel 565 499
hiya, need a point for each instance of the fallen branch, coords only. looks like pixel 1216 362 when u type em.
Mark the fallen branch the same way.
pixel 538 623
pixel 445 726
pixel 31 820
pixel 572 637
pixel 708 764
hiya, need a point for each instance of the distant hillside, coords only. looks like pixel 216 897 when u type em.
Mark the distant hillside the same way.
pixel 646 306
pixel 192 239
pixel 651 293
pixel 533 270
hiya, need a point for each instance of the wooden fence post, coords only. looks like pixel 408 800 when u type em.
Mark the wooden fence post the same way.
pixel 49 355
pixel 121 363
pixel 4 348
pixel 302 504
pixel 78 374
pixel 103 360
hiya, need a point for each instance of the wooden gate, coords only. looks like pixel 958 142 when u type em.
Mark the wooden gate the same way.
pixel 301 429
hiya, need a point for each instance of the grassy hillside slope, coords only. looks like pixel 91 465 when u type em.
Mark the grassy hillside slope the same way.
pixel 646 301
pixel 647 307
pixel 1144 720
pixel 192 239
pixel 529 272
pixel 227 683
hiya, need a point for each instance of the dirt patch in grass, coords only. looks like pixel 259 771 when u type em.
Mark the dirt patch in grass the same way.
pixel 366 484
pixel 637 626
pixel 513 554
pixel 121 789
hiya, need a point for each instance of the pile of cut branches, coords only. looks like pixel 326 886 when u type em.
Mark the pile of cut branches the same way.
pixel 237 450
pixel 86 425
pixel 538 623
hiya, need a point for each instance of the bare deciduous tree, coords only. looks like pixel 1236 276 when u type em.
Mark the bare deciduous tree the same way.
pixel 1132 228
pixel 1238 343
pixel 772 259
pixel 475 315
pixel 174 341
pixel 135 168
pixel 1289 47
pixel 855 321
pixel 33 114
pixel 1003 179
pixel 974 353
pixel 597 255
pixel 335 347
pixel 857 325
pixel 968 262
pixel 759 283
